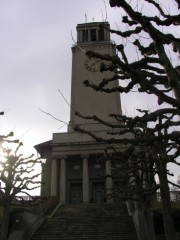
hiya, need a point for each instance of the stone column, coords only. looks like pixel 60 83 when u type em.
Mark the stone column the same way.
pixel 108 181
pixel 63 179
pixel 78 36
pixel 97 35
pixel 54 178
pixel 85 179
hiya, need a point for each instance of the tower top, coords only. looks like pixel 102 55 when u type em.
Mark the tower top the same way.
pixel 94 37
pixel 92 32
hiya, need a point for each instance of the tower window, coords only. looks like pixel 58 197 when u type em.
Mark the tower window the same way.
pixel 93 34
pixel 101 34
pixel 85 35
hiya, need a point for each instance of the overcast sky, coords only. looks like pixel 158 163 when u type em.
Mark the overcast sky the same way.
pixel 35 60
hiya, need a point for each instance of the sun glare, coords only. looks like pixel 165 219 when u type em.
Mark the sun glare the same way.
pixel 11 153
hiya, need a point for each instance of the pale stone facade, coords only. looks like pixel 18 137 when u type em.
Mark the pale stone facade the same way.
pixel 75 170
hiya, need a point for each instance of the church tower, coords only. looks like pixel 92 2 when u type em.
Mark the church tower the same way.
pixel 90 37
pixel 75 171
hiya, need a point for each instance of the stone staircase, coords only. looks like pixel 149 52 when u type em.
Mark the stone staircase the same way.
pixel 88 222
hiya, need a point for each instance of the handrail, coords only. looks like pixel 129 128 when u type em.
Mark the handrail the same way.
pixel 174 196
pixel 41 218
pixel 36 224
pixel 54 211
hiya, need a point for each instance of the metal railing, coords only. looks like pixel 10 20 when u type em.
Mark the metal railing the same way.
pixel 48 204
pixel 175 200
pixel 174 195
pixel 36 224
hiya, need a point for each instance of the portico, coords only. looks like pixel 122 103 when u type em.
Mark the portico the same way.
pixel 79 177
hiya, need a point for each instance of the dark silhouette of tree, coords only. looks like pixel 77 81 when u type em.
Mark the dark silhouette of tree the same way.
pixel 154 141
pixel 17 177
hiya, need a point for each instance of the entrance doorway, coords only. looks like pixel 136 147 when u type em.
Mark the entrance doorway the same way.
pixel 76 193
pixel 98 192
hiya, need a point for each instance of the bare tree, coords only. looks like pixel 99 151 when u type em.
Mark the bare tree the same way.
pixel 156 44
pixel 17 177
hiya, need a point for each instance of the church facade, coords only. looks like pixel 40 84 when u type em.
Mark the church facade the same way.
pixel 75 170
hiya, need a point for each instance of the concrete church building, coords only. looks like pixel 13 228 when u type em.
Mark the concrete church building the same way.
pixel 74 170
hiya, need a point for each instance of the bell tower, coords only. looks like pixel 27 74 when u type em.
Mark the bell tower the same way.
pixel 88 102
pixel 75 170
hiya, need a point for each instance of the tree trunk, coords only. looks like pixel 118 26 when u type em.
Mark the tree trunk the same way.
pixel 5 222
pixel 166 201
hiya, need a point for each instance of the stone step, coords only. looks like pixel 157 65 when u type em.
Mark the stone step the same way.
pixel 88 222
